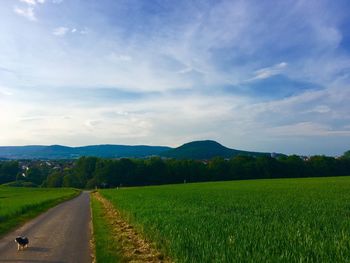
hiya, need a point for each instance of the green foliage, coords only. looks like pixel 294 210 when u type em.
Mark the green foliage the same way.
pixel 91 172
pixel 20 204
pixel 35 175
pixel 283 220
pixel 54 180
pixel 153 171
pixel 346 154
pixel 8 171
pixel 71 180
pixel 84 169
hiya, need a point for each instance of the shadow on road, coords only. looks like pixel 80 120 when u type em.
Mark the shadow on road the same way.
pixel 31 260
pixel 38 249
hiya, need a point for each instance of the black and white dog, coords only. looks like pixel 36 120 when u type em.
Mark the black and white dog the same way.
pixel 22 242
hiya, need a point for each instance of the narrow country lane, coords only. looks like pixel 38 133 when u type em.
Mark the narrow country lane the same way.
pixel 60 235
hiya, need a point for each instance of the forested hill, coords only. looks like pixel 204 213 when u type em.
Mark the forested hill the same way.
pixel 197 150
pixel 205 150
pixel 64 152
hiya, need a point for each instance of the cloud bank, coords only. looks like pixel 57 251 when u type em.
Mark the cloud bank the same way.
pixel 177 72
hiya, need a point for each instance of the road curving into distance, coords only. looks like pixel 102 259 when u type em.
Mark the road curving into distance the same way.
pixel 60 235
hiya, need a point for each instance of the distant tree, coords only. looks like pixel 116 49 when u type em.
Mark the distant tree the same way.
pixel 35 175
pixel 54 180
pixel 292 166
pixel 70 179
pixel 346 155
pixel 268 167
pixel 8 171
pixel 320 165
pixel 85 169
pixel 243 167
pixel 158 172
pixel 218 169
pixel 92 183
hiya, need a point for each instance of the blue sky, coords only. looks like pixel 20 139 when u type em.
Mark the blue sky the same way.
pixel 253 75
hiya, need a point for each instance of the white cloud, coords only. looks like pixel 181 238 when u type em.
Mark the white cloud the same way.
pixel 268 72
pixel 29 2
pixel 60 31
pixel 28 12
pixel 92 123
pixel 25 12
pixel 5 91
pixel 320 109
pixel 119 57
pixel 307 129
pixel 33 2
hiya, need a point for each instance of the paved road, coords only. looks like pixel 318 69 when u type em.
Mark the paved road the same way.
pixel 61 235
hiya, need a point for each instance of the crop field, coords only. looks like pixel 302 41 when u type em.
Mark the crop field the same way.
pixel 20 204
pixel 281 220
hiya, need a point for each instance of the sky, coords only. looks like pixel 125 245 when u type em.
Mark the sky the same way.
pixel 253 75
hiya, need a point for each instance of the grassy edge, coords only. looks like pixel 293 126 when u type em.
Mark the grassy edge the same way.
pixel 92 232
pixel 105 248
pixel 14 222
pixel 166 255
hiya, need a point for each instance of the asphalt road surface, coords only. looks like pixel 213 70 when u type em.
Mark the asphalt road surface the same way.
pixel 60 235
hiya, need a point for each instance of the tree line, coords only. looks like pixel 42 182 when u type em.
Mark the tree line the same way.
pixel 91 172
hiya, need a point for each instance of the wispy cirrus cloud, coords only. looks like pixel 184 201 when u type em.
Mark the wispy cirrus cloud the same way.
pixel 33 2
pixel 27 12
pixel 29 2
pixel 267 72
pixel 60 31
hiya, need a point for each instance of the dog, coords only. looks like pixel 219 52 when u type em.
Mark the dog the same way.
pixel 22 242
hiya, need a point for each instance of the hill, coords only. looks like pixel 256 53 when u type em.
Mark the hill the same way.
pixel 197 150
pixel 64 152
pixel 204 150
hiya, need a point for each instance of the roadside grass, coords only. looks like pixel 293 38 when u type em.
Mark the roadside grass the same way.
pixel 106 249
pixel 18 205
pixel 279 220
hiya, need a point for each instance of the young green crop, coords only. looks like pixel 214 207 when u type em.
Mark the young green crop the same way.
pixel 285 220
pixel 20 204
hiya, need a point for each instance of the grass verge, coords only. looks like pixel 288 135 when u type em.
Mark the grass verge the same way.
pixel 106 249
pixel 116 240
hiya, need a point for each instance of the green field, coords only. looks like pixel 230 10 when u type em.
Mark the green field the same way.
pixel 20 204
pixel 281 220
